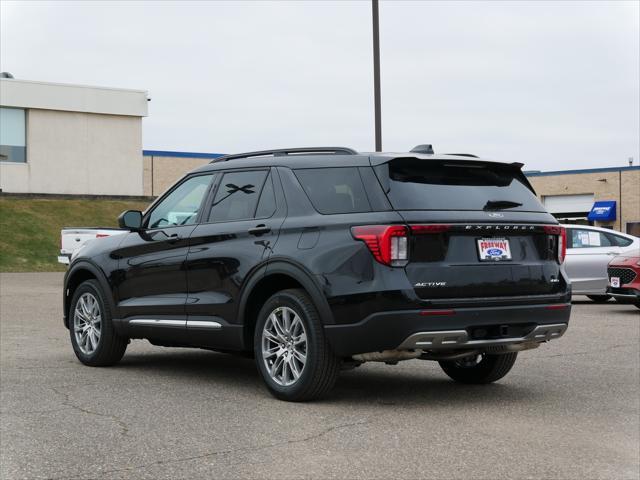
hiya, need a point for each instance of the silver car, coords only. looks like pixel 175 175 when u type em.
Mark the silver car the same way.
pixel 589 251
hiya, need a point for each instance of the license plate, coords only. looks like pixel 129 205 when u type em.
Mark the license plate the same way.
pixel 615 282
pixel 494 249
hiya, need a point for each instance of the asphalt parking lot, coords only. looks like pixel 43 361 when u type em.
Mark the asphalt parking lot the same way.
pixel 570 409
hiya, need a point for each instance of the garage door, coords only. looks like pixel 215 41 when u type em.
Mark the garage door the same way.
pixel 568 203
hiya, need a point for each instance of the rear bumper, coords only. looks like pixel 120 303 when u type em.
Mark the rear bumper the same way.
pixel 461 328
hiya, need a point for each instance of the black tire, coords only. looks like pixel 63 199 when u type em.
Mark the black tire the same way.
pixel 110 347
pixel 321 368
pixel 599 298
pixel 487 370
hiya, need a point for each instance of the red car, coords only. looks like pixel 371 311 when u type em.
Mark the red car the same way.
pixel 624 279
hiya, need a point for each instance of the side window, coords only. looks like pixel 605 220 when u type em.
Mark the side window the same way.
pixel 617 240
pixel 588 239
pixel 181 206
pixel 267 202
pixel 237 196
pixel 605 240
pixel 334 190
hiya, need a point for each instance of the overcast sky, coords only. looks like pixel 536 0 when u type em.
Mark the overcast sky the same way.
pixel 553 85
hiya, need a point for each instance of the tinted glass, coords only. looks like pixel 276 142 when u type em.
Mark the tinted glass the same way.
pixel 619 241
pixel 182 205
pixel 334 190
pixel 414 184
pixel 267 203
pixel 237 196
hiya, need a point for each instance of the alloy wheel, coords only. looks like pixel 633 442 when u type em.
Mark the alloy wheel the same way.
pixel 87 323
pixel 284 346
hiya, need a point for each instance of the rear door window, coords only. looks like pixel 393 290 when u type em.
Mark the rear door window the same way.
pixel 237 196
pixel 583 238
pixel 267 202
pixel 414 184
pixel 334 190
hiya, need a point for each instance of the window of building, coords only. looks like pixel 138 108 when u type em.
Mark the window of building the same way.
pixel 13 146
pixel 237 196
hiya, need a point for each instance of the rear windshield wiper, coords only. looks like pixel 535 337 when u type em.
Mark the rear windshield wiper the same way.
pixel 500 204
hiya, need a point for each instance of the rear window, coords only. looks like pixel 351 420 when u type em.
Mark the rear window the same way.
pixel 334 190
pixel 413 184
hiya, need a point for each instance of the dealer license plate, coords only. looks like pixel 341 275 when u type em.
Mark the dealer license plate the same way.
pixel 615 282
pixel 494 249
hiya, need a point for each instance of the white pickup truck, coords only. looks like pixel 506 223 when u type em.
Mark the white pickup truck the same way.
pixel 71 239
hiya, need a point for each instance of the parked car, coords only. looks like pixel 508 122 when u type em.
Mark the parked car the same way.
pixel 313 260
pixel 624 279
pixel 589 251
pixel 73 239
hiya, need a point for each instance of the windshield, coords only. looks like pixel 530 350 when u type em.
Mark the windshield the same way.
pixel 413 184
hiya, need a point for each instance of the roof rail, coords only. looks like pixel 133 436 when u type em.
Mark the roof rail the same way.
pixel 283 152
pixel 463 155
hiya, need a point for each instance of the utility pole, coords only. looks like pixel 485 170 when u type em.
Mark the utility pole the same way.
pixel 376 74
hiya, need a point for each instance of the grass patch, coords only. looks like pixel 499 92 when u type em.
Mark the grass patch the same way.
pixel 30 228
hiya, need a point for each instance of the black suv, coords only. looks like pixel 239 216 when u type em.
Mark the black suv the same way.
pixel 317 259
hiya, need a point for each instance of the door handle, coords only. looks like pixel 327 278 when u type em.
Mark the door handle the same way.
pixel 259 230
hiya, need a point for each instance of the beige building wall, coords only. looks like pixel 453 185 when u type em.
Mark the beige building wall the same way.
pixel 621 186
pixel 78 153
pixel 160 172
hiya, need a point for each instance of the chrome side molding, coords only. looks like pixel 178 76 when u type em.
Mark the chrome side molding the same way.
pixel 158 323
pixel 203 324
pixel 149 322
pixel 453 339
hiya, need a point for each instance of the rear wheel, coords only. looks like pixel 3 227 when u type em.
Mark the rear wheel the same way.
pixel 479 369
pixel 291 351
pixel 599 298
pixel 93 337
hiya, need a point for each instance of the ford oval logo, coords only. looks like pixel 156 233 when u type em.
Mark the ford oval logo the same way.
pixel 496 215
pixel 494 252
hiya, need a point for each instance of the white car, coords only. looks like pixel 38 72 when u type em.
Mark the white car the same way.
pixel 72 239
pixel 589 251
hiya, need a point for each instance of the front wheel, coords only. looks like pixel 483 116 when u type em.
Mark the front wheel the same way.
pixel 93 337
pixel 292 354
pixel 479 369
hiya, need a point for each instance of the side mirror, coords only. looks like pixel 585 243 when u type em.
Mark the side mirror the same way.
pixel 131 220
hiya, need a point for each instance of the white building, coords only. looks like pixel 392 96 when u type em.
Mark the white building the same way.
pixel 70 139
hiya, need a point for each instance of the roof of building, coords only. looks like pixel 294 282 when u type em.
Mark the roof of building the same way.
pixel 167 153
pixel 538 173
pixel 19 93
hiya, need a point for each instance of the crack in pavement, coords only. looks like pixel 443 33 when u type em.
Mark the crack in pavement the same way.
pixel 256 448
pixel 10 413
pixel 67 402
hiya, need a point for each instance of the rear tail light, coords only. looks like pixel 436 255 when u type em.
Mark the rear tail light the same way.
pixel 562 240
pixel 387 243
pixel 102 235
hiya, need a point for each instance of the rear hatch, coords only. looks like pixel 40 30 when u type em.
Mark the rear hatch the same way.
pixel 476 229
